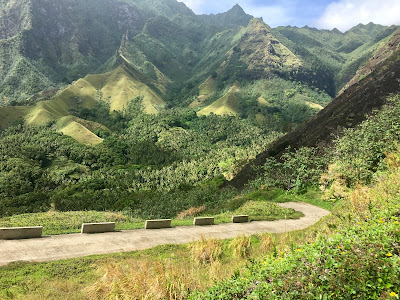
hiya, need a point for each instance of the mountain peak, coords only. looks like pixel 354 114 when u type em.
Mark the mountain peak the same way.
pixel 236 16
pixel 237 7
pixel 236 10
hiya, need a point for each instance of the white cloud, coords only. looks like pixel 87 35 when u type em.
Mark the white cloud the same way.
pixel 209 6
pixel 345 14
pixel 195 5
pixel 273 15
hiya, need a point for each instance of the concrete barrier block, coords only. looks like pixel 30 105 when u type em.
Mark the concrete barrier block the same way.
pixel 240 219
pixel 157 224
pixel 98 227
pixel 199 221
pixel 14 233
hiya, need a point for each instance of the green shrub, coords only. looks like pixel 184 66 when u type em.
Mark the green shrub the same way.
pixel 360 259
pixel 295 171
pixel 360 152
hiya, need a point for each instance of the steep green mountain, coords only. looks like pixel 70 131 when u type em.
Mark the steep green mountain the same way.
pixel 145 108
pixel 118 98
pixel 116 88
pixel 48 44
pixel 233 17
pixel 363 95
pixel 383 53
pixel 59 42
pixel 166 52
pixel 334 54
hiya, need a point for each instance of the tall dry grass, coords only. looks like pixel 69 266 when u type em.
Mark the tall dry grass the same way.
pixel 241 246
pixel 191 212
pixel 267 242
pixel 168 278
pixel 206 251
pixel 145 279
pixel 384 192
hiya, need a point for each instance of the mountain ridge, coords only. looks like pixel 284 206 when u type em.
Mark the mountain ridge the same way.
pixel 52 43
pixel 347 110
pixel 163 53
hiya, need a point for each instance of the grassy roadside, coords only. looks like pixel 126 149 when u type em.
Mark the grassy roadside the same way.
pixel 163 272
pixel 194 266
pixel 354 254
pixel 175 271
pixel 311 196
pixel 54 222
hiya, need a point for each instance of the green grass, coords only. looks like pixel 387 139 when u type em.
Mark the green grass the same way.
pixel 256 210
pixel 54 222
pixel 81 134
pixel 311 196
pixel 55 280
pixel 207 87
pixel 68 222
pixel 30 280
pixel 11 114
pixel 227 105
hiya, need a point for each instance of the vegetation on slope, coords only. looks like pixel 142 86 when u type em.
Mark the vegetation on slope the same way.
pixel 345 111
pixel 358 260
pixel 354 253
pixel 131 155
pixel 148 159
pixel 55 222
pixel 333 54
pixel 49 45
pixel 226 105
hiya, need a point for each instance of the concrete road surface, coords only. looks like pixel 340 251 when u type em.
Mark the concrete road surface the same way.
pixel 58 247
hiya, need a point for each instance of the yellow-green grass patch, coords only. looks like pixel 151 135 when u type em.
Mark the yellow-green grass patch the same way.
pixel 80 133
pixel 12 114
pixel 262 102
pixel 314 105
pixel 227 105
pixel 207 87
pixel 120 88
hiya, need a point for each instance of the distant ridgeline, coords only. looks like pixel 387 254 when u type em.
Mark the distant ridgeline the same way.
pixel 373 84
pixel 161 51
pixel 142 105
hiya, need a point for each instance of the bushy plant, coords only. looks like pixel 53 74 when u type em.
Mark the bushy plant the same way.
pixel 360 151
pixel 360 259
pixel 206 251
pixel 294 171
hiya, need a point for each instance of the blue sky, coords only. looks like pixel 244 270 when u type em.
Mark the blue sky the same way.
pixel 324 14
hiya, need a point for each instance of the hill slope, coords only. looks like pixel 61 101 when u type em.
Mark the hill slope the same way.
pixel 335 55
pixel 116 89
pixel 347 110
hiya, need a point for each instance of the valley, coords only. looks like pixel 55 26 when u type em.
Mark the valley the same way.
pixel 122 110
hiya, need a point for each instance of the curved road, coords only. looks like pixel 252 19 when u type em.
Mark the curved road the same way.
pixel 78 245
